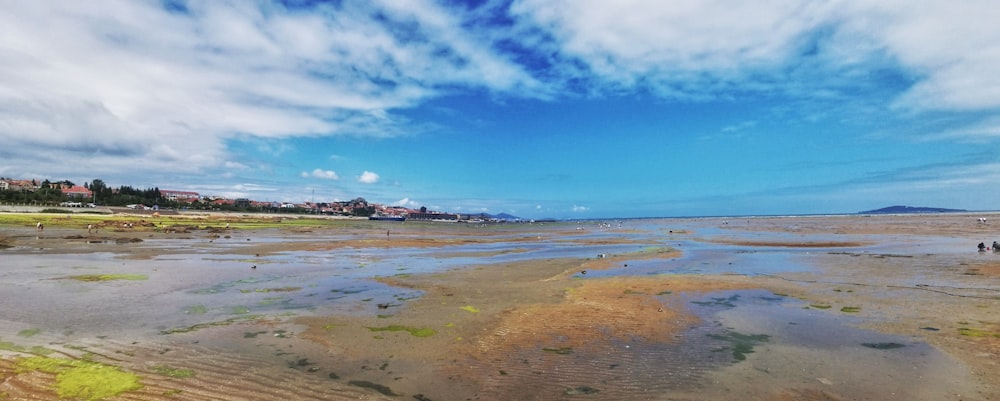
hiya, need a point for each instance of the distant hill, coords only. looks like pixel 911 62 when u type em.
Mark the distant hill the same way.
pixel 505 216
pixel 910 209
pixel 501 216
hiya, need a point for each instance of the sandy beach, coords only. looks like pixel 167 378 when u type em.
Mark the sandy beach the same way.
pixel 235 307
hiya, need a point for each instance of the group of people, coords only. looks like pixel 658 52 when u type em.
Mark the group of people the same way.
pixel 995 247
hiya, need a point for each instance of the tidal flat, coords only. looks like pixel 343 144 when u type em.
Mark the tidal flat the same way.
pixel 236 307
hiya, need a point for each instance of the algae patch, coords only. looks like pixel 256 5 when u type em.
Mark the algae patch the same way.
pixel 470 309
pixel 740 344
pixel 108 277
pixel 384 390
pixel 970 332
pixel 728 302
pixel 196 310
pixel 416 332
pixel 210 324
pixel 173 372
pixel 269 290
pixel 82 379
pixel 559 351
pixel 29 332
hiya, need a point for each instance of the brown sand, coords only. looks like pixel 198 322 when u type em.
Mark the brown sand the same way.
pixel 488 319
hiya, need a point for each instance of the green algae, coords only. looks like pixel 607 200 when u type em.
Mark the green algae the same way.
pixel 82 379
pixel 9 346
pixel 173 372
pixel 196 310
pixel 29 332
pixel 851 309
pixel 559 351
pixel 240 310
pixel 970 332
pixel 470 309
pixel 108 277
pixel 740 344
pixel 200 326
pixel 267 290
pixel 222 287
pixel 34 350
pixel 416 332
pixel 728 302
pixel 820 306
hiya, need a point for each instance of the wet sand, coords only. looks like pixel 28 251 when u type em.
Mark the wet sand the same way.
pixel 803 308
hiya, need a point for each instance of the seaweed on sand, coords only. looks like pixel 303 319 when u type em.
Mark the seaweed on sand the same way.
pixel 210 324
pixel 107 277
pixel 740 344
pixel 416 332
pixel 384 390
pixel 720 301
pixel 82 379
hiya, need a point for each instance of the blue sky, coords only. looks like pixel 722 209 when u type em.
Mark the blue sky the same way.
pixel 537 108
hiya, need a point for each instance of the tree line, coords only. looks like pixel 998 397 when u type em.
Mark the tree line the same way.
pixel 50 193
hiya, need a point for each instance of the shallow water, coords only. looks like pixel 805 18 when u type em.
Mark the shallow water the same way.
pixel 748 342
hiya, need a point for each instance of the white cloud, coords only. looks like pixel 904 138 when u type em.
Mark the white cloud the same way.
pixel 708 48
pixel 673 47
pixel 320 173
pixel 236 165
pixel 953 48
pixel 107 84
pixel 368 177
pixel 406 202
pixel 577 209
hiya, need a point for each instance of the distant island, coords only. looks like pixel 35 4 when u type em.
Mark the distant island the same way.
pixel 910 209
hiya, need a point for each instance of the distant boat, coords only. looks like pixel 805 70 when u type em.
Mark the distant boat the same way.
pixel 377 216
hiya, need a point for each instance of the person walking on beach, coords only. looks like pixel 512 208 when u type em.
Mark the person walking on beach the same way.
pixel 39 226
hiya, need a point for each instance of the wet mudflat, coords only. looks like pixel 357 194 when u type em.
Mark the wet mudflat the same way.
pixel 804 308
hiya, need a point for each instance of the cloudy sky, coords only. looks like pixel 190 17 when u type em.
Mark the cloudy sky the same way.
pixel 537 108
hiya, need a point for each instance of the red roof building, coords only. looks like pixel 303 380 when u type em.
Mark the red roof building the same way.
pixel 78 191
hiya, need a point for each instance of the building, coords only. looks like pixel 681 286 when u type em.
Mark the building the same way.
pixel 180 196
pixel 78 192
pixel 433 216
pixel 18 185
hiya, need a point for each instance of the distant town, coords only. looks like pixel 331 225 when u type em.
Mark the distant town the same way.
pixel 96 194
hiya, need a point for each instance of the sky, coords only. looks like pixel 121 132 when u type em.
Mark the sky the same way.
pixel 535 108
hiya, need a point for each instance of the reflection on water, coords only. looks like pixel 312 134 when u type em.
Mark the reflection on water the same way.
pixel 772 341
pixel 747 344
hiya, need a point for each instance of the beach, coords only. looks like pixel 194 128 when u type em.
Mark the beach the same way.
pixel 244 307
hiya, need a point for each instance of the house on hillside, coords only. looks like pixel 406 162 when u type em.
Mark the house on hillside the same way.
pixel 4 185
pixel 18 185
pixel 78 192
